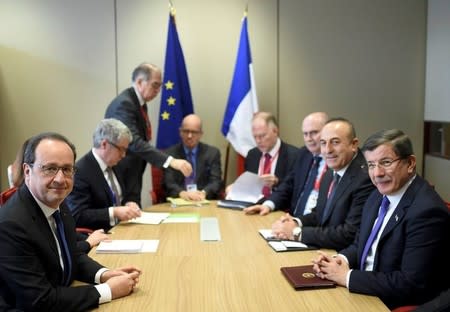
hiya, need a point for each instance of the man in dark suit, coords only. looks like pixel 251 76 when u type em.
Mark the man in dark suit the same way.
pixel 272 159
pixel 334 221
pixel 308 169
pixel 130 107
pixel 98 199
pixel 206 178
pixel 39 258
pixel 401 251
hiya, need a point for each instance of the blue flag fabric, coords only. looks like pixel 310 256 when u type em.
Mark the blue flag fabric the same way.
pixel 176 99
pixel 242 101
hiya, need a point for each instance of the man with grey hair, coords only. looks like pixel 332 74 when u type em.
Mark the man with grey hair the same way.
pixel 99 199
pixel 130 107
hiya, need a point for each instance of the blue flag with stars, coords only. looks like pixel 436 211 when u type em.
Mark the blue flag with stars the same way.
pixel 176 99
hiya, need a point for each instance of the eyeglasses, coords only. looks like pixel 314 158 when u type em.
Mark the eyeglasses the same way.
pixel 384 163
pixel 51 171
pixel 120 148
pixel 187 132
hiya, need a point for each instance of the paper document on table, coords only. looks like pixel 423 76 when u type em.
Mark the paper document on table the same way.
pixel 247 187
pixel 178 202
pixel 150 218
pixel 127 246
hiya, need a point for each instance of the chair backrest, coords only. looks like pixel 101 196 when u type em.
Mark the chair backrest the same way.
pixel 5 195
pixel 157 192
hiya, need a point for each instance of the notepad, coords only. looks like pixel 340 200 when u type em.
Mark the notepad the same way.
pixel 209 229
pixel 283 245
pixel 178 202
pixel 119 246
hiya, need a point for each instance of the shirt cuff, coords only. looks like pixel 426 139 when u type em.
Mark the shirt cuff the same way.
pixel 269 204
pixel 105 293
pixel 112 220
pixel 167 162
pixel 300 224
pixel 347 279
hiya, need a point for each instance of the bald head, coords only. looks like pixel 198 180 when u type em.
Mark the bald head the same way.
pixel 191 131
pixel 311 127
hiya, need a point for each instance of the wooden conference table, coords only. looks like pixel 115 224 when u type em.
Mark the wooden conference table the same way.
pixel 238 273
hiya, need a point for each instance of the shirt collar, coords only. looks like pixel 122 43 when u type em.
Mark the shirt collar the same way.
pixel 141 100
pixel 99 160
pixel 275 148
pixel 194 150
pixel 342 171
pixel 48 211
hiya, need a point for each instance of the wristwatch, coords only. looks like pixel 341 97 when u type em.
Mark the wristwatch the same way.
pixel 297 231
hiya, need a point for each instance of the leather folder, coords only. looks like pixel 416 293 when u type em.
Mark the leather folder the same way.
pixel 303 277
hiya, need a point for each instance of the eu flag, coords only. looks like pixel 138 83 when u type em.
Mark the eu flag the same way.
pixel 176 99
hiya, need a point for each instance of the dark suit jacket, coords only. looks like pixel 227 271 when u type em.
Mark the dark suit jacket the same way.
pixel 286 194
pixel 208 171
pixel 126 108
pixel 411 261
pixel 344 215
pixel 285 163
pixel 91 195
pixel 30 271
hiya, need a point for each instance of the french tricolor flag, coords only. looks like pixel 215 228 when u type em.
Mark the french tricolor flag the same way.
pixel 242 101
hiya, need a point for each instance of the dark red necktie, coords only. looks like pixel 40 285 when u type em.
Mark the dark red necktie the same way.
pixel 147 122
pixel 266 170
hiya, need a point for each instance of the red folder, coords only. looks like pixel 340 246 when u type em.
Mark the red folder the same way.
pixel 304 277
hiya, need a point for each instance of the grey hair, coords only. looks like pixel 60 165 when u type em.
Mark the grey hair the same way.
pixel 144 70
pixel 112 130
pixel 400 142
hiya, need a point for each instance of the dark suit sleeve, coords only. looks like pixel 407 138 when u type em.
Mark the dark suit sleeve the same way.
pixel 125 110
pixel 338 236
pixel 83 208
pixel 212 174
pixel 24 274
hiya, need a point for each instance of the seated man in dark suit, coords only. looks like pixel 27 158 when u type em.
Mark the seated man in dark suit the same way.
pixel 300 189
pixel 401 251
pixel 98 199
pixel 334 221
pixel 272 159
pixel 206 178
pixel 39 258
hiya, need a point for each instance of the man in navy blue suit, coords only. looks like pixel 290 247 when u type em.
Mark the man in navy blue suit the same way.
pixel 400 252
pixel 99 199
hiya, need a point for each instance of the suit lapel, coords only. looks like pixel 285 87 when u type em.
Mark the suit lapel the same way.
pixel 99 179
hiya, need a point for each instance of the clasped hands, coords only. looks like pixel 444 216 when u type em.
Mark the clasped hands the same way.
pixel 333 268
pixel 121 281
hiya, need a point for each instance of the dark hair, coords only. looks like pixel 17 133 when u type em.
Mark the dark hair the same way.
pixel 29 156
pixel 400 142
pixel 344 120
pixel 144 70
pixel 17 166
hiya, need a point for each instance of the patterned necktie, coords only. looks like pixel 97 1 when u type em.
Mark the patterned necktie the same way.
pixel 147 122
pixel 65 253
pixel 309 185
pixel 381 214
pixel 114 190
pixel 266 170
pixel 331 192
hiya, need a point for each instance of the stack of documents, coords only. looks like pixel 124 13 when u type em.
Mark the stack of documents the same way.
pixel 178 202
pixel 127 246
pixel 150 218
pixel 247 188
pixel 283 245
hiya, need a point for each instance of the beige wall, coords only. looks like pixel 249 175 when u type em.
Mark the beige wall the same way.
pixel 361 59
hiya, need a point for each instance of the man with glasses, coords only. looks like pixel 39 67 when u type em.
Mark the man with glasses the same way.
pixel 206 178
pixel 99 199
pixel 401 252
pixel 39 258
pixel 130 107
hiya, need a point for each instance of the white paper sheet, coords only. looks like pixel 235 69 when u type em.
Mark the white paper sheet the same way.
pixel 150 218
pixel 247 187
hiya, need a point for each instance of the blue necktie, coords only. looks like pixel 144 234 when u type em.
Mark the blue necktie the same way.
pixel 65 253
pixel 331 192
pixel 114 190
pixel 381 214
pixel 190 158
pixel 309 185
